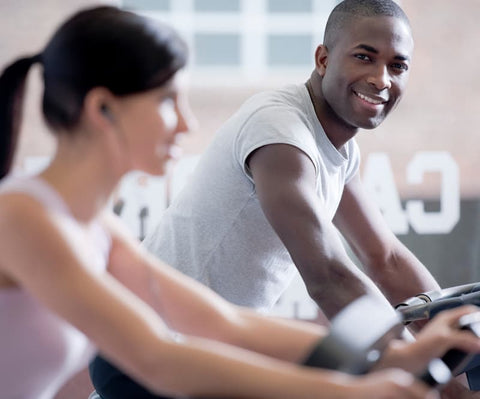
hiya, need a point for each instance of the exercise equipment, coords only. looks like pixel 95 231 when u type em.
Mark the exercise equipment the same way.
pixel 427 305
pixel 361 331
pixel 358 335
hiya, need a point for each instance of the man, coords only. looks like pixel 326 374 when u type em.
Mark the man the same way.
pixel 282 175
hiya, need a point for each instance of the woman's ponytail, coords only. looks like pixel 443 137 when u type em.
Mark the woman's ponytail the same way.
pixel 12 84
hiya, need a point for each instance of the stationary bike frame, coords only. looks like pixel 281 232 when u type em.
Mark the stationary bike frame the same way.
pixel 427 305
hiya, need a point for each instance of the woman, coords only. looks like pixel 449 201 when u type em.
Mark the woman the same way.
pixel 71 278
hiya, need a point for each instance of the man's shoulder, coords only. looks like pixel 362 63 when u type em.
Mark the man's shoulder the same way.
pixel 283 102
pixel 290 95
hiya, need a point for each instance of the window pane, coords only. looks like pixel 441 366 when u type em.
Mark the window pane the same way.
pixel 162 5
pixel 217 5
pixel 290 6
pixel 217 49
pixel 290 50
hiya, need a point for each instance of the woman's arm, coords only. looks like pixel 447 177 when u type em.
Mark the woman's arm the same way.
pixel 191 308
pixel 46 259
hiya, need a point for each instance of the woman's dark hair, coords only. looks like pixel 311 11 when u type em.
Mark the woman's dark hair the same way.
pixel 99 47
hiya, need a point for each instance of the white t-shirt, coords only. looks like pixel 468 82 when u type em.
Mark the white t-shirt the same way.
pixel 215 230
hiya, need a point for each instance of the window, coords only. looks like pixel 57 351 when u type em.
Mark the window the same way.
pixel 290 6
pixel 290 50
pixel 217 5
pixel 260 39
pixel 217 49
pixel 150 5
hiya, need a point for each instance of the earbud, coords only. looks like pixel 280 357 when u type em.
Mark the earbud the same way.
pixel 106 112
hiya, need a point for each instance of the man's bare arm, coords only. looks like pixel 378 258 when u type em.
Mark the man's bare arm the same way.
pixel 392 266
pixel 285 184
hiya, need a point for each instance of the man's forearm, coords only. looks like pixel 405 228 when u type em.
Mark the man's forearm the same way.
pixel 402 276
pixel 339 285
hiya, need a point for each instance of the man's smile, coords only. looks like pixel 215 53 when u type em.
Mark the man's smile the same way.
pixel 374 100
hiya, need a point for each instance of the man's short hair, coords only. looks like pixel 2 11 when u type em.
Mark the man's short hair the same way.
pixel 348 10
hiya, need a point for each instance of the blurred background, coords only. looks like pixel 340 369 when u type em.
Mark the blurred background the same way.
pixel 421 165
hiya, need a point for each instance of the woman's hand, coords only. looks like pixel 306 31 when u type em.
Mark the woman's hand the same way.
pixel 433 341
pixel 391 384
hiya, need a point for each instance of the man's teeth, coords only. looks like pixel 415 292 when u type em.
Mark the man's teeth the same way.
pixel 368 99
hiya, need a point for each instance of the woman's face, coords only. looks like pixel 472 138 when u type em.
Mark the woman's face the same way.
pixel 152 123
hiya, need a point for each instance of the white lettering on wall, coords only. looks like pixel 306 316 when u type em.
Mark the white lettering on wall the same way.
pixel 379 180
pixel 443 221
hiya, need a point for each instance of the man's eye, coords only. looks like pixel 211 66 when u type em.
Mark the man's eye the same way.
pixel 362 57
pixel 400 66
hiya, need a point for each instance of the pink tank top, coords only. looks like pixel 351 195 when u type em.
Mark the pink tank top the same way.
pixel 39 351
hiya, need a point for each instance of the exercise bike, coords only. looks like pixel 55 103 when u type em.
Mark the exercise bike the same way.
pixel 361 331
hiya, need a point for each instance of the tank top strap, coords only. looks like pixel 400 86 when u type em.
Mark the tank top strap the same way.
pixel 36 188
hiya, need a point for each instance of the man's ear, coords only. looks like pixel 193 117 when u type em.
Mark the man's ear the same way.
pixel 321 59
pixel 98 105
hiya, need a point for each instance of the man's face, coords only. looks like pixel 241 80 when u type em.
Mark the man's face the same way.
pixel 367 70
